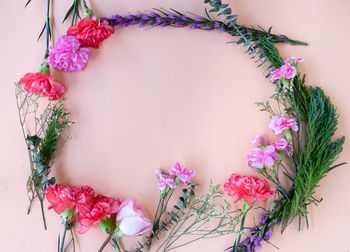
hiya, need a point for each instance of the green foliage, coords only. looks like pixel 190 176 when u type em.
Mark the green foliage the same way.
pixel 254 49
pixel 270 51
pixel 319 151
pixel 206 216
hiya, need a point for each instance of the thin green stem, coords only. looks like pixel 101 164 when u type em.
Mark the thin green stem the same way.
pixel 115 245
pixel 47 22
pixel 63 237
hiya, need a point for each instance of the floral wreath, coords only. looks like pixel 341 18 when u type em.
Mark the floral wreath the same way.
pixel 306 121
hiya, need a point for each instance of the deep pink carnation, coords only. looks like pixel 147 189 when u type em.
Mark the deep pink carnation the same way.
pixel 250 189
pixel 279 124
pixel 259 139
pixel 61 197
pixel 286 71
pixel 103 207
pixel 182 173
pixel 67 55
pixel 164 180
pixel 42 84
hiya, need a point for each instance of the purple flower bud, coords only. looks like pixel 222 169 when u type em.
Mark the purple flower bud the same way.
pixel 152 14
pixel 221 30
pixel 138 14
pixel 129 17
pixel 133 22
pixel 158 20
pixel 170 16
pixel 183 17
pixel 144 17
pixel 199 25
pixel 217 25
pixel 193 26
pixel 198 19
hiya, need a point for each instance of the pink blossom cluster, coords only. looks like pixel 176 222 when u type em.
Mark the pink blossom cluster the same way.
pixel 266 155
pixel 91 210
pixel 250 189
pixel 288 70
pixel 68 55
pixel 177 174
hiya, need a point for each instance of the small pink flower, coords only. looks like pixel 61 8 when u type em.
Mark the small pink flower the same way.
pixel 286 71
pixel 260 157
pixel 182 173
pixel 279 124
pixel 164 180
pixel 282 144
pixel 293 60
pixel 250 189
pixel 103 207
pixel 259 139
pixel 270 155
pixel 67 55
pixel 133 218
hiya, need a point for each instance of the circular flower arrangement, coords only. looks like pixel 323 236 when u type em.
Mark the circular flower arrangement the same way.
pixel 306 122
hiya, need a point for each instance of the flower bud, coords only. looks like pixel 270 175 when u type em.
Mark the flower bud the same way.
pixel 44 68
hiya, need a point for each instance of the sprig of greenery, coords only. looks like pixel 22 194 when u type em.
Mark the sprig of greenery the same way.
pixel 170 219
pixel 41 139
pixel 254 49
pixel 206 216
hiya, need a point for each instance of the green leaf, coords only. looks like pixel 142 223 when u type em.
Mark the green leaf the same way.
pixel 33 140
pixel 68 13
pixel 27 3
pixel 227 11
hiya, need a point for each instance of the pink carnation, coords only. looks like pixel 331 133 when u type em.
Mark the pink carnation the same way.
pixel 42 84
pixel 182 173
pixel 282 144
pixel 67 55
pixel 286 71
pixel 259 139
pixel 164 180
pixel 103 207
pixel 279 124
pixel 250 189
pixel 293 60
pixel 260 157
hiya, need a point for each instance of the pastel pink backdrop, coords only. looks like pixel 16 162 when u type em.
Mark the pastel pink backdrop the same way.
pixel 151 97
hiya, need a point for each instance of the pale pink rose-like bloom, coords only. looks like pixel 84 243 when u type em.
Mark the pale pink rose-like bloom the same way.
pixel 286 71
pixel 279 124
pixel 182 173
pixel 164 180
pixel 67 55
pixel 259 139
pixel 260 157
pixel 250 189
pixel 133 218
pixel 282 144
pixel 293 60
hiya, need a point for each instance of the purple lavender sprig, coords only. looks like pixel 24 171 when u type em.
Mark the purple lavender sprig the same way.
pixel 177 19
pixel 263 231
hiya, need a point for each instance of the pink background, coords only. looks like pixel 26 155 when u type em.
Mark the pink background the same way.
pixel 151 97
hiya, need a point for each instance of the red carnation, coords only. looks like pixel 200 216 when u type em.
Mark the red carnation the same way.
pixel 43 84
pixel 103 207
pixel 250 189
pixel 61 197
pixel 90 33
